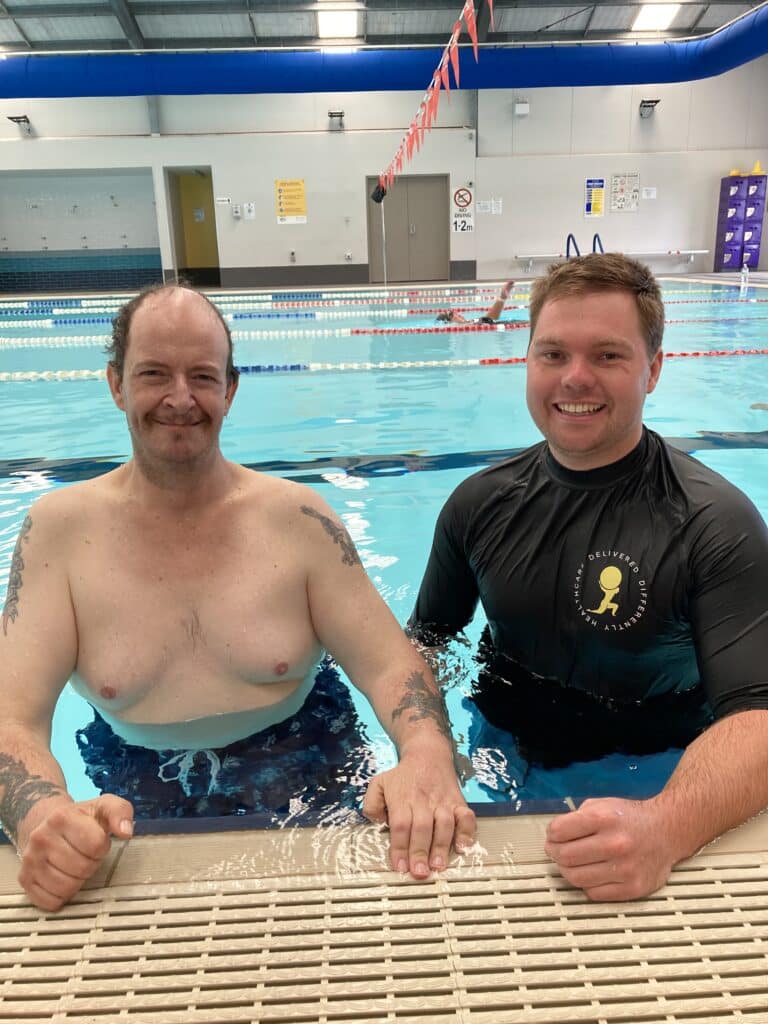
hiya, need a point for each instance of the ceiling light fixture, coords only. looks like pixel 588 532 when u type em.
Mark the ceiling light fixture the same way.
pixel 655 17
pixel 337 24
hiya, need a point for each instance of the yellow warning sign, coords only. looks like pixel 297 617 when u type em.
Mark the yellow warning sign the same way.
pixel 290 201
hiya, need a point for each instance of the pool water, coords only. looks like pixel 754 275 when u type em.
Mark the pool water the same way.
pixel 384 446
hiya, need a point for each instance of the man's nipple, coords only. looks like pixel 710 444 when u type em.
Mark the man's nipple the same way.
pixel 281 668
pixel 108 692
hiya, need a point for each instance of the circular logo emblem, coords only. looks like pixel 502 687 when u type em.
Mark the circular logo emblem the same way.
pixel 610 591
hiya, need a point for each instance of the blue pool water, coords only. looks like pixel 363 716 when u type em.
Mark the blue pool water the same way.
pixel 384 446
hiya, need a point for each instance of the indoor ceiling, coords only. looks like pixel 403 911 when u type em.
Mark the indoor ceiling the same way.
pixel 53 25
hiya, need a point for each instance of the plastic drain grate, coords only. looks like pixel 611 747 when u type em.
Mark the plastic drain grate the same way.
pixel 513 946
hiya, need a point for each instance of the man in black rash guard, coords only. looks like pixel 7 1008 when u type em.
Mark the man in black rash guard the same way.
pixel 624 585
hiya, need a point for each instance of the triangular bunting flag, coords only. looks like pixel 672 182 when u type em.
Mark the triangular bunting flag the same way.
pixel 453 51
pixel 468 14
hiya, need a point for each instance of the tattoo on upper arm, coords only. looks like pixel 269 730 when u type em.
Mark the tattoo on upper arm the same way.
pixel 349 555
pixel 21 791
pixel 11 607
pixel 425 704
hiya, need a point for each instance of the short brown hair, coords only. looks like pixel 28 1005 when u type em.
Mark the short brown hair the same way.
pixel 604 272
pixel 121 326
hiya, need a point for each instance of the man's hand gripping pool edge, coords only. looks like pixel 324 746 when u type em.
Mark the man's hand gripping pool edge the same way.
pixel 421 803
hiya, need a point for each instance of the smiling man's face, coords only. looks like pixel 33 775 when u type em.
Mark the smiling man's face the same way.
pixel 174 389
pixel 588 375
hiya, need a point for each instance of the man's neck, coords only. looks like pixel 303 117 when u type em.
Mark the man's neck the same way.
pixel 179 486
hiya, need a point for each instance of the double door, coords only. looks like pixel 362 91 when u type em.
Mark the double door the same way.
pixel 415 233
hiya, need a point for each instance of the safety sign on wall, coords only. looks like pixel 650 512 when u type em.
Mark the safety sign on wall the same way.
pixel 290 201
pixel 594 197
pixel 463 212
pixel 625 192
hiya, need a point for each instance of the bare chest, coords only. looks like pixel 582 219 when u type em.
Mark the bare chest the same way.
pixel 195 621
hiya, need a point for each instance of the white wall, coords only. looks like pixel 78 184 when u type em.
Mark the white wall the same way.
pixel 536 165
pixel 76 210
pixel 698 133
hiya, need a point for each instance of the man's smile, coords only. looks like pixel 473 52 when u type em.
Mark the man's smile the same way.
pixel 579 408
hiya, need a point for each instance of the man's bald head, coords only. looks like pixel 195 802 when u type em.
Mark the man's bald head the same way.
pixel 121 325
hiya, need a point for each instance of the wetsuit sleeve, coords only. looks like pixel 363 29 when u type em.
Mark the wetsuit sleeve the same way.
pixel 729 606
pixel 448 594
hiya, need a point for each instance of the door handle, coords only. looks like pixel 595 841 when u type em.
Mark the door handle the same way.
pixel 411 229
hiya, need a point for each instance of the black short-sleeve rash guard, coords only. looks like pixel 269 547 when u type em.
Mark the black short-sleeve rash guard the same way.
pixel 642 579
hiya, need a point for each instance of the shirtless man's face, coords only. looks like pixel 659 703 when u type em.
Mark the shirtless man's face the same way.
pixel 174 390
pixel 588 376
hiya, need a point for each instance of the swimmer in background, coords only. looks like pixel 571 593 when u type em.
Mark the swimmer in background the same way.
pixel 451 316
pixel 190 600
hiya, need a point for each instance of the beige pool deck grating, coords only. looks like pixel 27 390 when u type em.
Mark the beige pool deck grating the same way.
pixel 304 926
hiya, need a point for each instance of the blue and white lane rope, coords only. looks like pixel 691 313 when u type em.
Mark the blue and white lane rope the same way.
pixel 410 364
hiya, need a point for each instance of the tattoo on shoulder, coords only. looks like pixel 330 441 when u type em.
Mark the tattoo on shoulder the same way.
pixel 339 535
pixel 11 607
pixel 425 703
pixel 21 790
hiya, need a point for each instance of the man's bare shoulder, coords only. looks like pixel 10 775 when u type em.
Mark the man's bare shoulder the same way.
pixel 74 504
pixel 280 496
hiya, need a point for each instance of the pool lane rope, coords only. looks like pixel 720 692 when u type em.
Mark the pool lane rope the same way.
pixel 79 340
pixel 58 317
pixel 411 364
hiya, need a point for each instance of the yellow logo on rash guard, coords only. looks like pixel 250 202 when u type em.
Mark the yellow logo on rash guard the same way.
pixel 610 582
pixel 615 572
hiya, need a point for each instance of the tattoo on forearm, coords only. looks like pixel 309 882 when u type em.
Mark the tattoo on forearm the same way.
pixel 11 607
pixel 21 791
pixel 349 555
pixel 425 703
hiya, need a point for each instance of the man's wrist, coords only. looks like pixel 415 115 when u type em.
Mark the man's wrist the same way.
pixel 674 825
pixel 35 816
pixel 434 746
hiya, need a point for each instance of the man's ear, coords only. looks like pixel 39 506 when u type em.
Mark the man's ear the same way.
pixel 115 386
pixel 653 377
pixel 232 383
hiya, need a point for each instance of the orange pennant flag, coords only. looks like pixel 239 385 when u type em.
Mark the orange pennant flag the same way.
pixel 426 121
pixel 468 14
pixel 453 51
pixel 434 98
pixel 445 76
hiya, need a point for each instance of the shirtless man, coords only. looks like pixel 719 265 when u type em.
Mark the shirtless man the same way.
pixel 188 596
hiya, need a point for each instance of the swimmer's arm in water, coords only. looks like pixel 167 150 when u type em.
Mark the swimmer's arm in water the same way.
pixel 495 310
pixel 420 799
pixel 626 849
pixel 60 842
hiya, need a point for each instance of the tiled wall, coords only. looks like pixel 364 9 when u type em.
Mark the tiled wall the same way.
pixel 79 270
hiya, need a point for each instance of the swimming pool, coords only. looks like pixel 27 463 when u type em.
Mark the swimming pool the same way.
pixel 382 436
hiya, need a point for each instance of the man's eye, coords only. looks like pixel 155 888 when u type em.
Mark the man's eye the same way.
pixel 205 377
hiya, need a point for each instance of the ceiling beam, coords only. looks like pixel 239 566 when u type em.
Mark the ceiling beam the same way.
pixel 589 21
pixel 128 24
pixel 483 20
pixel 699 16
pixel 7 16
pixel 188 8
